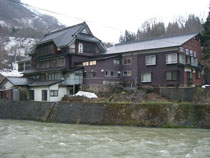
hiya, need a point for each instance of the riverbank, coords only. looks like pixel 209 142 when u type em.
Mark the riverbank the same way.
pixel 143 115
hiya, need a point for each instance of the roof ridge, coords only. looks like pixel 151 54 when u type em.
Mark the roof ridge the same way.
pixel 64 29
pixel 155 38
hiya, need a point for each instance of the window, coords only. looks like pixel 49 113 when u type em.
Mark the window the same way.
pixel 127 61
pixel 110 73
pixel 181 49
pixel 31 94
pixel 188 59
pixel 85 63
pixel 198 74
pixel 27 66
pixel 187 51
pixel 146 77
pixel 181 58
pixel 53 93
pixel 171 58
pixel 60 62
pixel 80 48
pixel 90 74
pixel 127 73
pixel 150 60
pixel 116 62
pixel 195 54
pixel 191 53
pixel 44 95
pixel 92 62
pixel 194 61
pixel 171 75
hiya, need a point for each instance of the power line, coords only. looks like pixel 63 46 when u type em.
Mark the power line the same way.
pixel 57 13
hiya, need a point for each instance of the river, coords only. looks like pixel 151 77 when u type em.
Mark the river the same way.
pixel 28 139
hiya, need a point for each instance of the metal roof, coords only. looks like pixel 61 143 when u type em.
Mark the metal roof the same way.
pixel 44 83
pixel 67 35
pixel 166 42
pixel 62 37
pixel 16 81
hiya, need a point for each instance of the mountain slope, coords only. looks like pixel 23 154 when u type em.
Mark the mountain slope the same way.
pixel 17 17
pixel 20 29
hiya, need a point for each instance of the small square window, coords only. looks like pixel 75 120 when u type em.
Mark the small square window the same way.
pixel 127 61
pixel 181 49
pixel 53 93
pixel 171 75
pixel 127 73
pixel 93 62
pixel 150 60
pixel 85 63
pixel 146 77
pixel 171 58
pixel 116 62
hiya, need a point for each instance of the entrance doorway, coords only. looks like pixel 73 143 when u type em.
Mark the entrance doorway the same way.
pixel 44 95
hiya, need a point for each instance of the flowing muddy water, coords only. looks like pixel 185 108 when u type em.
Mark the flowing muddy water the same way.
pixel 28 139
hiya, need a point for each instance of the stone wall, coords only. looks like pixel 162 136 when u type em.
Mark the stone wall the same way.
pixel 178 94
pixel 143 115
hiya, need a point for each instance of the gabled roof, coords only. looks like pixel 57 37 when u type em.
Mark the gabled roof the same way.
pixel 159 43
pixel 63 37
pixel 68 35
pixel 16 81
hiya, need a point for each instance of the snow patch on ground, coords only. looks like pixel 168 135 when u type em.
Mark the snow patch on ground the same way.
pixel 86 94
pixel 4 24
pixel 19 45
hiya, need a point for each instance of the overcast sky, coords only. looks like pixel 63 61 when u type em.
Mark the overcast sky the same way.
pixel 108 19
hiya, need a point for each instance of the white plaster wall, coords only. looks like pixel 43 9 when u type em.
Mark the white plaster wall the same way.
pixel 8 85
pixel 38 93
pixel 61 92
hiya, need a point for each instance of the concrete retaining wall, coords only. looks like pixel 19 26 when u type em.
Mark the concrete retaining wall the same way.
pixel 178 94
pixel 144 115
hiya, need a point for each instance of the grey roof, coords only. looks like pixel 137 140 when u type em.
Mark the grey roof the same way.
pixel 67 35
pixel 151 44
pixel 25 60
pixel 16 81
pixel 64 36
pixel 44 83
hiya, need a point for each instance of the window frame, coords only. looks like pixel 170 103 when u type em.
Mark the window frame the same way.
pixel 150 57
pixel 109 72
pixel 127 73
pixel 167 61
pixel 124 59
pixel 80 48
pixel 92 63
pixel 53 93
pixel 142 77
pixel 116 61
pixel 171 76
pixel 182 59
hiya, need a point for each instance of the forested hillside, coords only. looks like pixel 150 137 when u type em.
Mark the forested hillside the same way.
pixel 153 28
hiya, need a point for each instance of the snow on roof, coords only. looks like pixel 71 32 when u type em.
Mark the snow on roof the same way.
pixel 13 73
pixel 151 44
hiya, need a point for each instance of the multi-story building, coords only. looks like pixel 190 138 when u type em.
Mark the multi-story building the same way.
pixel 53 63
pixel 65 59
pixel 169 61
